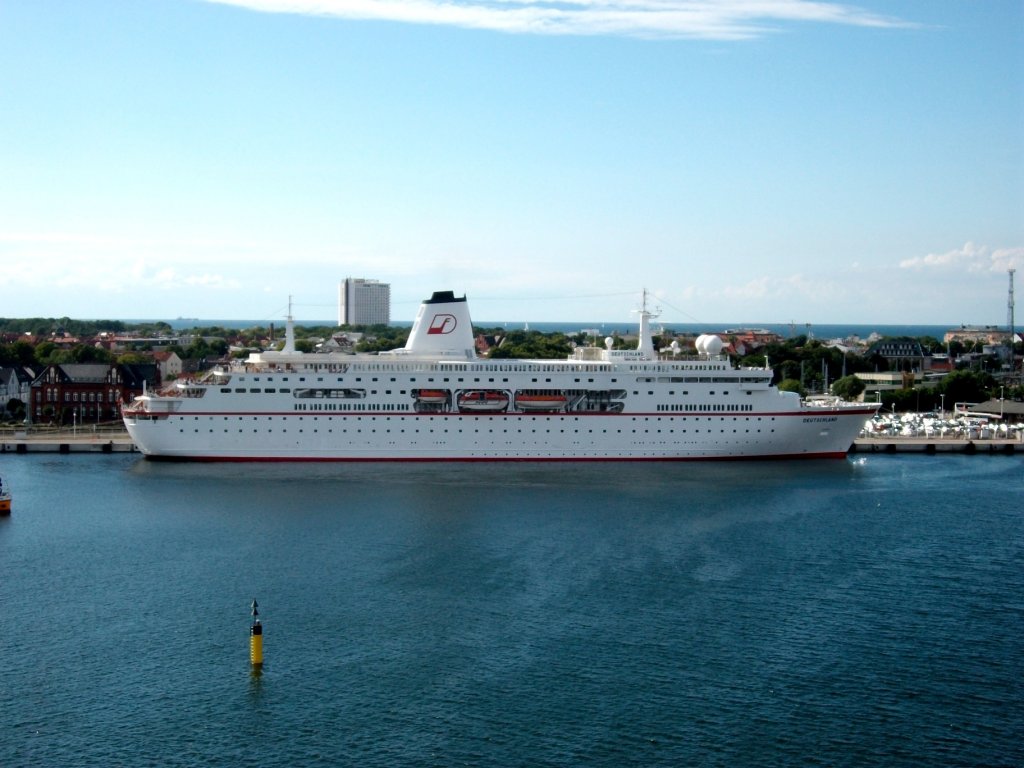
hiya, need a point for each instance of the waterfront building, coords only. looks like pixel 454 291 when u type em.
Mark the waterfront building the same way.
pixel 15 384
pixel 364 302
pixel 977 335
pixel 81 393
pixel 902 353
pixel 169 364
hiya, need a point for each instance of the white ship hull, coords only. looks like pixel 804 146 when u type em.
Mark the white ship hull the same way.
pixel 490 438
pixel 619 406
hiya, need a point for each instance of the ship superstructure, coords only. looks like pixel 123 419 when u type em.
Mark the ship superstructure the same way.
pixel 435 400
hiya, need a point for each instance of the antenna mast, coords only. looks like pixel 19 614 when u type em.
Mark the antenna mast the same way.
pixel 1009 320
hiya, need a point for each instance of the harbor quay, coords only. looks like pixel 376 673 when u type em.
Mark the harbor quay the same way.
pixel 933 445
pixel 102 439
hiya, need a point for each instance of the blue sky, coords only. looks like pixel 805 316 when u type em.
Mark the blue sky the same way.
pixel 768 161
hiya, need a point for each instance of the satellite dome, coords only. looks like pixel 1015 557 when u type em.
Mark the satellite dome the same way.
pixel 699 343
pixel 608 341
pixel 713 344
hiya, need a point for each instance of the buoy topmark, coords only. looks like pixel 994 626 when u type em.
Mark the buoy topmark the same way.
pixel 256 638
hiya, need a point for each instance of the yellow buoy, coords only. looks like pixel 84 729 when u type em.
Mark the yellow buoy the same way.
pixel 256 638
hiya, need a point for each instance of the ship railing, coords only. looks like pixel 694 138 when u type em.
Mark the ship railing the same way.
pixel 833 402
pixel 823 401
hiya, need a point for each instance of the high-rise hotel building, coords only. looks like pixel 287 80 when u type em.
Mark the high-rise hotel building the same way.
pixel 364 302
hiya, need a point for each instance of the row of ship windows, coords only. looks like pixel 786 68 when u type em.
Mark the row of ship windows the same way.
pixel 505 431
pixel 553 367
pixel 459 380
pixel 492 380
pixel 349 407
pixel 706 408
pixel 547 419
pixel 454 367
pixel 676 407
pixel 352 393
pixel 254 390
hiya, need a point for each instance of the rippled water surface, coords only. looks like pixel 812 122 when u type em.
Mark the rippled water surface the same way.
pixel 861 612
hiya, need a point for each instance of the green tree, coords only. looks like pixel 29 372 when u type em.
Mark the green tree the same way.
pixel 134 358
pixel 791 385
pixel 18 353
pixel 966 386
pixel 201 349
pixel 84 353
pixel 46 352
pixel 16 409
pixel 849 387
pixel 532 345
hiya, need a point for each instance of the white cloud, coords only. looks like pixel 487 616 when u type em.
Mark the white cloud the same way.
pixel 968 258
pixel 698 19
pixel 788 287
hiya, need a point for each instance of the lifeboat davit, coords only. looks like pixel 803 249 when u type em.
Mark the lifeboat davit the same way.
pixel 483 400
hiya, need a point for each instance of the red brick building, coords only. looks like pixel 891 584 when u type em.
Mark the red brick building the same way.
pixel 87 393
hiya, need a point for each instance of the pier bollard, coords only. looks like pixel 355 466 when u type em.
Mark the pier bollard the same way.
pixel 256 639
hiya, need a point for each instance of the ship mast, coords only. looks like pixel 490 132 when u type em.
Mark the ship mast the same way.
pixel 289 331
pixel 645 344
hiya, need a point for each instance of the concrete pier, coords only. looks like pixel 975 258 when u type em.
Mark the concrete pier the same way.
pixel 81 440
pixel 893 444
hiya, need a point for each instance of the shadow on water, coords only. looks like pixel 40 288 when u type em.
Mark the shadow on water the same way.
pixel 617 475
pixel 442 501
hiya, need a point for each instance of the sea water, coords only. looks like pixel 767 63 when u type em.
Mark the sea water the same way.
pixel 861 612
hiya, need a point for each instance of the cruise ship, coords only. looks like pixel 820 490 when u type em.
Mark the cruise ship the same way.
pixel 435 400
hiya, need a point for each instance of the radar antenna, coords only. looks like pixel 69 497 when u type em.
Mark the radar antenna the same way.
pixel 645 344
pixel 1009 322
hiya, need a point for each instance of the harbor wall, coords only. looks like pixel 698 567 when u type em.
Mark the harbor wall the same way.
pixel 892 444
pixel 66 441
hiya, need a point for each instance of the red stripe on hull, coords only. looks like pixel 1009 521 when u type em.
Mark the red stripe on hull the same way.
pixel 495 459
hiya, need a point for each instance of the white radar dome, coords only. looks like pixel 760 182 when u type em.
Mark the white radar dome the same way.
pixel 699 343
pixel 608 341
pixel 713 344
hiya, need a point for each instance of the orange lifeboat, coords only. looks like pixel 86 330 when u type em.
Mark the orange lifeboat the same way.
pixel 539 402
pixel 432 396
pixel 483 400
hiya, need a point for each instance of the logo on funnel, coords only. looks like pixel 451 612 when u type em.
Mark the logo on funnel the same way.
pixel 442 324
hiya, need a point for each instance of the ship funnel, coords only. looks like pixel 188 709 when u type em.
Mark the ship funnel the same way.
pixel 442 327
